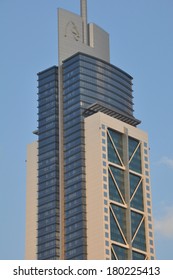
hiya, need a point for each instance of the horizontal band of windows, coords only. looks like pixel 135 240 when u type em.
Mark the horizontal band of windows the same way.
pixel 47 205
pixel 75 90
pixel 42 101
pixel 42 211
pixel 42 119
pixel 112 79
pixel 74 203
pixel 43 84
pixel 48 229
pixel 75 163
pixel 99 79
pixel 74 67
pixel 50 191
pixel 77 172
pixel 44 154
pixel 73 111
pixel 94 96
pixel 47 113
pixel 73 144
pixel 47 214
pixel 42 195
pixel 71 196
pixel 102 68
pixel 68 110
pixel 42 247
pixel 74 219
pixel 49 81
pixel 46 238
pixel 71 102
pixel 46 170
pixel 46 93
pixel 50 118
pixel 76 243
pixel 76 187
pixel 45 223
pixel 71 78
pixel 50 71
pixel 73 137
pixel 45 138
pixel 79 257
pixel 44 234
pixel 47 165
pixel 72 127
pixel 46 127
pixel 49 140
pixel 101 65
pixel 46 108
pixel 74 252
pixel 47 155
pixel 48 221
pixel 74 227
pixel 47 135
pixel 73 114
pixel 48 246
pixel 48 184
pixel 74 235
pixel 74 180
pixel 49 180
pixel 48 75
pixel 70 156
pixel 48 252
pixel 114 94
pixel 48 148
pixel 47 199
pixel 74 122
pixel 76 210
pixel 46 176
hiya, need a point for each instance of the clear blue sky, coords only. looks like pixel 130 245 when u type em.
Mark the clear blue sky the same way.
pixel 141 41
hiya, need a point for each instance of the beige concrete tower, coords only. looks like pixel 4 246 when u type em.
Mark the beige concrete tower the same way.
pixel 118 190
pixel 31 202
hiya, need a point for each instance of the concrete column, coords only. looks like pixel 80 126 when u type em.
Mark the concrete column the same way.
pixel 83 7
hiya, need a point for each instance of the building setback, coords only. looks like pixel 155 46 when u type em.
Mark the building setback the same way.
pixel 94 197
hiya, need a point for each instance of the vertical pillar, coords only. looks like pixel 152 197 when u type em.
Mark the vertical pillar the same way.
pixel 83 7
pixel 61 163
pixel 127 192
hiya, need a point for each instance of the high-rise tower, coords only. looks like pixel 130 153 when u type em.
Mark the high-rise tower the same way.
pixel 94 199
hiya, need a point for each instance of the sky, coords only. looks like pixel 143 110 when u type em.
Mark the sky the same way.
pixel 141 44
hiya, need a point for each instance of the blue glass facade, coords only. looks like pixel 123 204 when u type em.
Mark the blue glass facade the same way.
pixel 125 175
pixel 86 81
pixel 48 165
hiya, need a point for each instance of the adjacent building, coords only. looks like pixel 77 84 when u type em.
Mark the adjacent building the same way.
pixel 92 162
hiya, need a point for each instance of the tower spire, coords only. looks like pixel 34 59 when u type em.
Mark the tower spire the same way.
pixel 83 8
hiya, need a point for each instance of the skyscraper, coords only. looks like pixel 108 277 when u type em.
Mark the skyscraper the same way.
pixel 94 199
